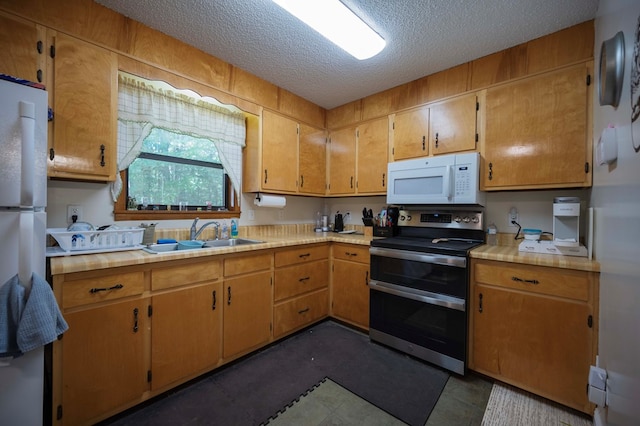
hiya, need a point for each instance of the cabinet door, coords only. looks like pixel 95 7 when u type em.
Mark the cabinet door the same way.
pixel 103 360
pixel 279 152
pixel 187 333
pixel 19 56
pixel 452 125
pixel 373 148
pixel 342 161
pixel 350 292
pixel 248 303
pixel 411 134
pixel 540 343
pixel 312 160
pixel 85 111
pixel 536 132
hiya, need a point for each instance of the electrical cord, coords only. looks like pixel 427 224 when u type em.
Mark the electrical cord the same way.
pixel 513 222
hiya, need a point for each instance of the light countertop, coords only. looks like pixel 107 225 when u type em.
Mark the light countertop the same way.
pixel 503 253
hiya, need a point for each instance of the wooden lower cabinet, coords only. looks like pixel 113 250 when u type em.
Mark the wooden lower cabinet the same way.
pixel 247 313
pixel 301 290
pixel 187 333
pixel 350 284
pixel 535 328
pixel 103 361
pixel 299 312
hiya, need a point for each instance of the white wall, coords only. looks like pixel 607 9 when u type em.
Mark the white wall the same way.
pixel 616 199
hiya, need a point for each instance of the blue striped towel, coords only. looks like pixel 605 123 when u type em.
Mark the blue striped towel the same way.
pixel 28 320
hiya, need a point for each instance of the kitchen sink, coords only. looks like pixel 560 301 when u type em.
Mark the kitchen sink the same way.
pixel 171 247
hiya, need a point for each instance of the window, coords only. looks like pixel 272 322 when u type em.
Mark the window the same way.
pixel 176 172
pixel 179 155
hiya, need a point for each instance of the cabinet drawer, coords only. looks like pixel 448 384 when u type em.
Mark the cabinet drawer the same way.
pixel 245 264
pixel 101 288
pixel 300 311
pixel 188 273
pixel 351 252
pixel 567 283
pixel 299 279
pixel 301 254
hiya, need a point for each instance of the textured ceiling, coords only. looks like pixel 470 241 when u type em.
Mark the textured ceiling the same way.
pixel 423 37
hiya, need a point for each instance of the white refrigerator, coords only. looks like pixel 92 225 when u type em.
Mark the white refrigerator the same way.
pixel 23 224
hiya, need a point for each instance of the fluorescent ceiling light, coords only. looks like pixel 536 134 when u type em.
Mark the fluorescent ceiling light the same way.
pixel 338 23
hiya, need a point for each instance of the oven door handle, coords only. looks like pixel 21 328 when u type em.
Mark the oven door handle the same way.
pixel 418 295
pixel 437 259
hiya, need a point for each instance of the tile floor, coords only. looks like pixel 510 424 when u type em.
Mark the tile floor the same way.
pixel 462 402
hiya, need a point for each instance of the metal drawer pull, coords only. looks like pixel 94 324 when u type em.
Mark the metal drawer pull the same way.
pixel 303 279
pixel 525 281
pixel 135 320
pixel 213 305
pixel 229 295
pixel 480 305
pixel 303 311
pixel 350 254
pixel 115 287
pixel 304 255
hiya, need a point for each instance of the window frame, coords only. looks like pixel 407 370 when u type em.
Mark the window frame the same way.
pixel 121 212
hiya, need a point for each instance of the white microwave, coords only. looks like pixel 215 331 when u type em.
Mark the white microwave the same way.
pixel 445 179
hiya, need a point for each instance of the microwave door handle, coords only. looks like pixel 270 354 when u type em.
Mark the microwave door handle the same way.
pixel 447 182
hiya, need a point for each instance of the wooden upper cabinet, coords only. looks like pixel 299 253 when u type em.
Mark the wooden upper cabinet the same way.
pixel 22 47
pixel 372 152
pixel 537 132
pixel 452 125
pixel 312 160
pixel 411 134
pixel 83 86
pixel 279 152
pixel 342 161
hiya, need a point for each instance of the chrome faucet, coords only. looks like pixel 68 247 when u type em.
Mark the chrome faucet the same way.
pixel 194 232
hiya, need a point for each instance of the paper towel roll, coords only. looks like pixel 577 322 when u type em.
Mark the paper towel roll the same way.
pixel 276 201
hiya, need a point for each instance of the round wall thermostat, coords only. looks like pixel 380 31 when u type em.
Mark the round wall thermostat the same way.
pixel 611 70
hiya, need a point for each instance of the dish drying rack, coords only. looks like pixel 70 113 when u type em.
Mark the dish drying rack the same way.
pixel 83 242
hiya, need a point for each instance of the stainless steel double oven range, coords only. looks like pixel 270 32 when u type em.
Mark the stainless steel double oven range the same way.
pixel 419 285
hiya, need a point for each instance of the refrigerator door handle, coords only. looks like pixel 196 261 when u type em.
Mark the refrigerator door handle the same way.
pixel 25 249
pixel 28 124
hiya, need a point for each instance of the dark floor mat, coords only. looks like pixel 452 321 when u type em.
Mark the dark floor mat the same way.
pixel 253 389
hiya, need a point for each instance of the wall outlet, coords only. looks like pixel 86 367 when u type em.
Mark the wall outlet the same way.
pixel 513 217
pixel 74 211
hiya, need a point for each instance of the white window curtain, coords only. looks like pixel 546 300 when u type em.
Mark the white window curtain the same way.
pixel 144 105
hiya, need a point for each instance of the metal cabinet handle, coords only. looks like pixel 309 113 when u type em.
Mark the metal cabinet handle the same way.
pixel 303 279
pixel 351 184
pixel 424 142
pixel 525 281
pixel 303 311
pixel 135 320
pixel 350 254
pixel 229 295
pixel 480 305
pixel 213 304
pixel 102 148
pixel 301 181
pixel 115 287
pixel 304 255
pixel 384 175
pixel 265 175
pixel 366 279
pixel 490 171
pixel 436 140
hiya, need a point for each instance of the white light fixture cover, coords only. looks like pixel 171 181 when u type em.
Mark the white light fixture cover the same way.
pixel 337 23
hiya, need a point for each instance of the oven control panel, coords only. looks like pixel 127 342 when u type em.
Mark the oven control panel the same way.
pixel 441 219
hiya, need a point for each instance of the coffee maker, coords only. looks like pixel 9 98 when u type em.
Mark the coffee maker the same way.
pixel 566 221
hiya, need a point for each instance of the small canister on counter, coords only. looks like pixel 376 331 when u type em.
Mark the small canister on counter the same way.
pixel 492 235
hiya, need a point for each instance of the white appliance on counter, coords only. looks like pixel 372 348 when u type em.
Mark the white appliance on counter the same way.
pixel 23 197
pixel 445 179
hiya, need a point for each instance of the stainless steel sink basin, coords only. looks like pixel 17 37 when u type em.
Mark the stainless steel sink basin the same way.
pixel 171 247
pixel 230 243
